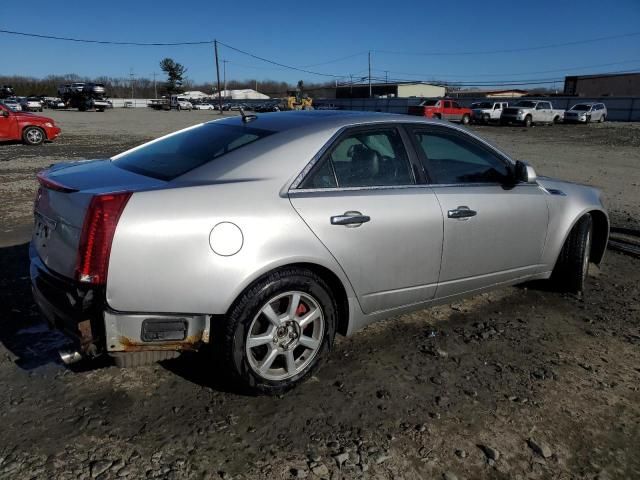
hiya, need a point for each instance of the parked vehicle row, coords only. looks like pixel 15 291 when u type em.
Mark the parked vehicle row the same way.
pixel 523 112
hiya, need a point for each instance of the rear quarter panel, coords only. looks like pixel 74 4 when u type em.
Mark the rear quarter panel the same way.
pixel 162 261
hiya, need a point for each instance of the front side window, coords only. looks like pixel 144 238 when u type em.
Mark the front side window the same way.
pixel 454 159
pixel 364 159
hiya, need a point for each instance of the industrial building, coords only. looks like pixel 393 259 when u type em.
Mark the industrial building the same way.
pixel 604 85
pixel 390 90
pixel 513 93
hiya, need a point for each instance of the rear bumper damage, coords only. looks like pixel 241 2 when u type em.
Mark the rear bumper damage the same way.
pixel 82 314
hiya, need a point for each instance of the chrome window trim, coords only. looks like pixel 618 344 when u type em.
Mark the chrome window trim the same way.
pixel 356 189
pixel 404 187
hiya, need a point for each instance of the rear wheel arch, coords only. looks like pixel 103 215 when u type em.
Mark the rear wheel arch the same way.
pixel 328 276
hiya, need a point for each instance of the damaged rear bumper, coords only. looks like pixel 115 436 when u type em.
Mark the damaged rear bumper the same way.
pixel 82 314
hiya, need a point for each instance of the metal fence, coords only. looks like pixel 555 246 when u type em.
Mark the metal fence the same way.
pixel 620 109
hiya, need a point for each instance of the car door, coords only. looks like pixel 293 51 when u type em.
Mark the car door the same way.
pixel 446 110
pixel 455 113
pixel 362 201
pixel 494 231
pixel 7 123
pixel 497 111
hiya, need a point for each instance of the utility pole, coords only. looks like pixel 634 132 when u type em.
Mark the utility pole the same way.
pixel 386 76
pixel 256 84
pixel 155 88
pixel 351 83
pixel 370 74
pixel 224 73
pixel 215 48
pixel 131 81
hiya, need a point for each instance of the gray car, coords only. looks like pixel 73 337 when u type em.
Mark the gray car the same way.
pixel 586 112
pixel 265 235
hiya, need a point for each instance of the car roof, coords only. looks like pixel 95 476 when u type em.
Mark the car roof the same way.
pixel 322 119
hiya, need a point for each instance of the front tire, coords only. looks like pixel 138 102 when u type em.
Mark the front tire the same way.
pixel 572 265
pixel 279 331
pixel 528 121
pixel 33 136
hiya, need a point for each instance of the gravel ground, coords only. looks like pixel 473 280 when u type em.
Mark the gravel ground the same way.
pixel 519 383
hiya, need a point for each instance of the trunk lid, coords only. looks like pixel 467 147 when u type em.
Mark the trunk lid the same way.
pixel 61 203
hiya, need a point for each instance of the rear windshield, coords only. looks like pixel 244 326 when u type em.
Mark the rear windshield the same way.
pixel 581 107
pixel 428 103
pixel 177 154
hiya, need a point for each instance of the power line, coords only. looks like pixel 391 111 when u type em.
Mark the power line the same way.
pixel 107 42
pixel 289 67
pixel 512 50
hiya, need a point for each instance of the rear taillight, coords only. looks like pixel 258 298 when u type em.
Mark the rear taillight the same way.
pixel 98 230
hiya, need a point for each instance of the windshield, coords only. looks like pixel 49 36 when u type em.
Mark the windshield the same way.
pixel 482 105
pixel 525 104
pixel 429 103
pixel 179 153
pixel 581 107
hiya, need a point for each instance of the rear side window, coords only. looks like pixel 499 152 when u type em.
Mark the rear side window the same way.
pixel 364 159
pixel 453 159
pixel 177 154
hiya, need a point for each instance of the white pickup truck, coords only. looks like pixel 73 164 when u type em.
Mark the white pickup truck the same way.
pixel 485 112
pixel 528 112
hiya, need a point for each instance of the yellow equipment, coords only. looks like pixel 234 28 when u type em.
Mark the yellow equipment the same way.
pixel 296 101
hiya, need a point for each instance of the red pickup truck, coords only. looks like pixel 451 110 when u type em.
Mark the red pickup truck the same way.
pixel 444 108
pixel 31 129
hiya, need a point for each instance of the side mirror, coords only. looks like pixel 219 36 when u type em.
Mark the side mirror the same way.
pixel 524 173
pixel 5 113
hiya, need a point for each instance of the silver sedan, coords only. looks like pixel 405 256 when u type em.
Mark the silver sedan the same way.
pixel 265 235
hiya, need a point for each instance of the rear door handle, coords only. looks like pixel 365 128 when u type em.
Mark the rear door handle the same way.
pixel 461 212
pixel 350 219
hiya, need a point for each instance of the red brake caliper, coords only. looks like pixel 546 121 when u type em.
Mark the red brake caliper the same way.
pixel 301 310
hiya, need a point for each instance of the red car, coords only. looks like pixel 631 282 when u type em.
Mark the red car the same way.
pixel 444 108
pixel 31 129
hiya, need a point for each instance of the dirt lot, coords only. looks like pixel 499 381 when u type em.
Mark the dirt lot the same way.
pixel 520 383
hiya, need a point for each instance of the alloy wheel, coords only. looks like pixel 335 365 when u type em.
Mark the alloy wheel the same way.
pixel 34 136
pixel 285 336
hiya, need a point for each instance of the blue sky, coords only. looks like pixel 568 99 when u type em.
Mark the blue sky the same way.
pixel 311 34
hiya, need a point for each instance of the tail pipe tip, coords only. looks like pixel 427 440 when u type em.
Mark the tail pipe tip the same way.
pixel 69 356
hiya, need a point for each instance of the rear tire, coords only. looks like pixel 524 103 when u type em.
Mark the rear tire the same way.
pixel 572 265
pixel 297 349
pixel 603 118
pixel 437 116
pixel 33 136
pixel 465 120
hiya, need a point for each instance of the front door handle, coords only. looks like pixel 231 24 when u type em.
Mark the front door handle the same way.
pixel 350 219
pixel 461 212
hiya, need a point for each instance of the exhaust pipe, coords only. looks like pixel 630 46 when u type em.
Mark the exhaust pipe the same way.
pixel 69 356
